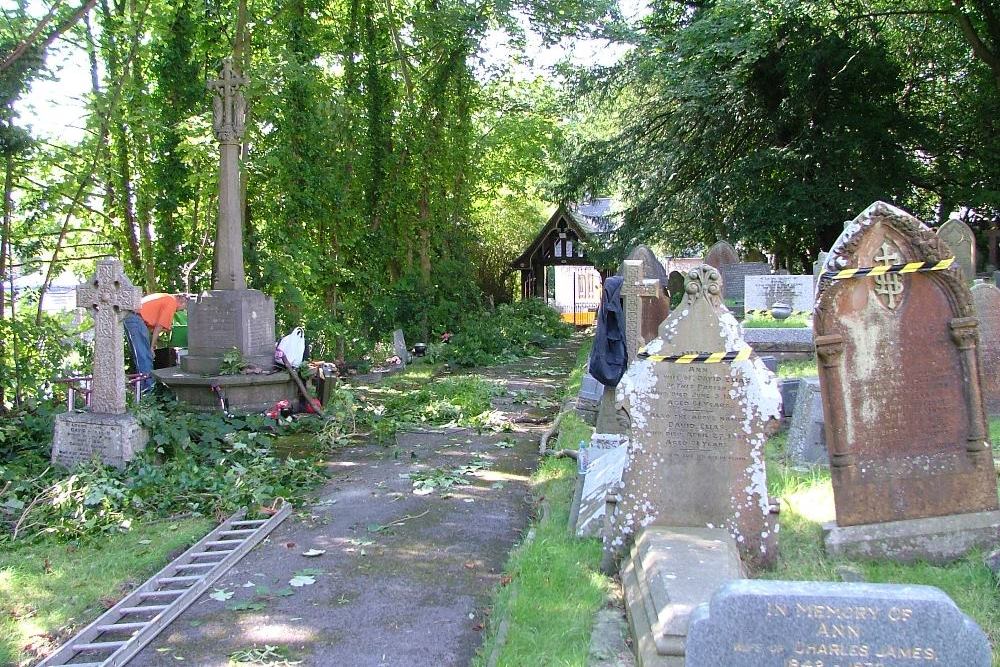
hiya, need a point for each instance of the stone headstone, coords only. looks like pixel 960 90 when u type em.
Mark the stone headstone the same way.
pixel 645 303
pixel 652 267
pixel 761 292
pixel 106 430
pixel 898 367
pixel 697 431
pixel 987 301
pixel 600 466
pixel 962 242
pixel 789 393
pixel 996 278
pixel 590 388
pixel 819 264
pixel 815 624
pixel 399 346
pixel 806 437
pixel 675 283
pixel 734 278
pixel 721 254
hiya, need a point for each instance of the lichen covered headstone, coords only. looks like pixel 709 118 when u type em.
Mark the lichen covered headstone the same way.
pixel 697 430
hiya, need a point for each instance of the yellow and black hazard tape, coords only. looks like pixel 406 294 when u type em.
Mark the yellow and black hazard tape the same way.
pixel 911 267
pixel 699 358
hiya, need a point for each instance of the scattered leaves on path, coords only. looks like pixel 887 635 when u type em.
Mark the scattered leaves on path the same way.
pixel 220 594
pixel 299 581
pixel 312 553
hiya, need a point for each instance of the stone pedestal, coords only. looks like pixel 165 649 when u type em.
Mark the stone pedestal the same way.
pixel 669 572
pixel 939 539
pixel 223 319
pixel 80 436
pixel 243 393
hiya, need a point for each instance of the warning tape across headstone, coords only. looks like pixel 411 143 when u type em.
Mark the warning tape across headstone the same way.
pixel 699 357
pixel 910 267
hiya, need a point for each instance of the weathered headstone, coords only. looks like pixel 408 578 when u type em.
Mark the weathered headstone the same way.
pixel 399 346
pixel 762 292
pixel 910 457
pixel 987 301
pixel 816 624
pixel 652 267
pixel 675 283
pixel 806 436
pixel 600 466
pixel 962 243
pixel 721 254
pixel 819 264
pixel 646 304
pixel 106 430
pixel 696 438
pixel 734 278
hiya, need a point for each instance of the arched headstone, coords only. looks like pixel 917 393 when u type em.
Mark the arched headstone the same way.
pixel 721 254
pixel 962 242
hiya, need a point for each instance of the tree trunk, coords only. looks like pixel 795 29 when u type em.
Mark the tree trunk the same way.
pixel 8 207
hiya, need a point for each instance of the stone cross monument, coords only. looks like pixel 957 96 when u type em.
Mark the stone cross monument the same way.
pixel 229 122
pixel 106 430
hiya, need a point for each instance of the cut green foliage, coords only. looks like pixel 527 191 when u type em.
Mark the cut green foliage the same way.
pixel 49 589
pixel 554 587
pixel 276 656
pixel 426 482
pixel 232 363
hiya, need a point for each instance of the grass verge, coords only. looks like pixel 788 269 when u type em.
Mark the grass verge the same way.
pixel 51 588
pixel 555 585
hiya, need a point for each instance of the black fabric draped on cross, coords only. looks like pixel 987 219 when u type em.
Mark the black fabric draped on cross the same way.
pixel 608 357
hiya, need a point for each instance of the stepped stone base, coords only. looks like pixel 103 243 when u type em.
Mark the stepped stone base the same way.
pixel 79 436
pixel 939 539
pixel 243 393
pixel 669 572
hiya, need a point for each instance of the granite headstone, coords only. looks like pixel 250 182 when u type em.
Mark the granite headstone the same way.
pixel 818 624
pixel 734 278
pixel 761 292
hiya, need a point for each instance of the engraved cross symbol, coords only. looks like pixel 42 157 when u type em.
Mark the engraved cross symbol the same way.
pixel 889 285
pixel 228 104
pixel 109 295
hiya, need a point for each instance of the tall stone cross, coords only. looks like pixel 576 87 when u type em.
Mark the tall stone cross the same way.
pixel 229 122
pixel 634 288
pixel 109 296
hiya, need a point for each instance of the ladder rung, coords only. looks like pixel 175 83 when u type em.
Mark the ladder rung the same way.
pixel 196 565
pixel 250 522
pixel 224 543
pixel 161 594
pixel 85 664
pixel 98 646
pixel 243 531
pixel 138 610
pixel 212 553
pixel 187 577
pixel 122 626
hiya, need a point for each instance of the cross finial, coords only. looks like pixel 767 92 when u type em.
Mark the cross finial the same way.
pixel 228 104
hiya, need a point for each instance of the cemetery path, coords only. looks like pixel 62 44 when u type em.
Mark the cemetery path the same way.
pixel 405 579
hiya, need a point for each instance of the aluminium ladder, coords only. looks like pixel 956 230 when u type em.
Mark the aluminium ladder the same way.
pixel 122 631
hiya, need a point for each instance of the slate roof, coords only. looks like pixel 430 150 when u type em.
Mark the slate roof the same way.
pixel 598 216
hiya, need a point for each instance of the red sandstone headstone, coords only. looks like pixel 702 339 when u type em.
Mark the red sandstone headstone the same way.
pixel 986 297
pixel 721 254
pixel 899 374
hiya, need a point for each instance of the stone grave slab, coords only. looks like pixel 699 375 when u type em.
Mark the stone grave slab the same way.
pixel 697 430
pixel 734 278
pixel 722 254
pixel 669 573
pixel 899 375
pixel 787 341
pixel 601 469
pixel 962 242
pixel 818 624
pixel 806 436
pixel 987 301
pixel 106 430
pixel 761 292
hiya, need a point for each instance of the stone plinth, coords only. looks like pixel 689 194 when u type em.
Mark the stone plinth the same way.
pixel 223 319
pixel 244 393
pixel 80 436
pixel 819 624
pixel 939 539
pixel 669 572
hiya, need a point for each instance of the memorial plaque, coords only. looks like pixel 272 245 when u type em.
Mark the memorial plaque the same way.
pixel 815 624
pixel 899 375
pixel 734 278
pixel 721 254
pixel 697 431
pixel 987 300
pixel 962 242
pixel 762 292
